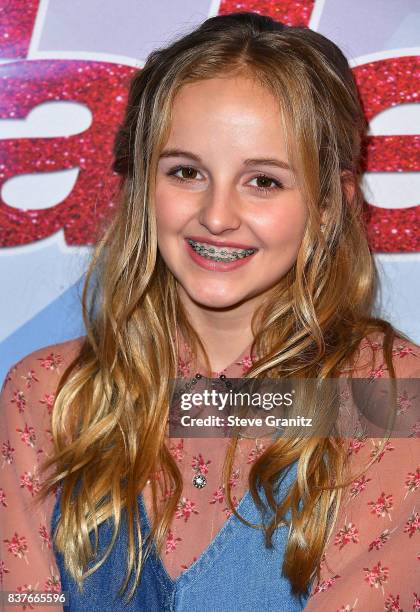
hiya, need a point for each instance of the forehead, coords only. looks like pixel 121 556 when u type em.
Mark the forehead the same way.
pixel 226 94
pixel 229 109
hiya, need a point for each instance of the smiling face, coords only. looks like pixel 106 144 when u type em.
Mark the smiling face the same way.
pixel 214 189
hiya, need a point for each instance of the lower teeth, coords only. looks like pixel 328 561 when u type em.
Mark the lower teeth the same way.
pixel 222 259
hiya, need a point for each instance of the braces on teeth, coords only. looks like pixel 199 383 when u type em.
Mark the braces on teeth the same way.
pixel 215 253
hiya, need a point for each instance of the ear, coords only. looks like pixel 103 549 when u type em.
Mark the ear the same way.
pixel 348 182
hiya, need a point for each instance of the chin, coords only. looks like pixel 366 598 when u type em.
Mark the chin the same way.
pixel 208 299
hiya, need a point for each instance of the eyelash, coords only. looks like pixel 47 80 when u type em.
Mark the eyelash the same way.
pixel 264 190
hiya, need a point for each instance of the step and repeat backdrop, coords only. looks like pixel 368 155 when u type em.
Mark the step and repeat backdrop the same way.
pixel 64 73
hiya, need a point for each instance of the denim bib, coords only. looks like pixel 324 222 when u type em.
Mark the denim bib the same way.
pixel 235 573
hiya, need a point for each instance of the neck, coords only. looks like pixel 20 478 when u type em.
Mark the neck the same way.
pixel 225 333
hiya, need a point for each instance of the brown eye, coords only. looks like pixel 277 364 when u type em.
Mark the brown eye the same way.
pixel 187 173
pixel 268 183
pixel 264 181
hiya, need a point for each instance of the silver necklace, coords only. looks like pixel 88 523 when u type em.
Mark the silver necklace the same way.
pixel 199 480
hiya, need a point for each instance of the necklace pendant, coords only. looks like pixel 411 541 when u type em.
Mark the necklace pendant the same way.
pixel 199 481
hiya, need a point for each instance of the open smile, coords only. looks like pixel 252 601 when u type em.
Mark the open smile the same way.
pixel 218 258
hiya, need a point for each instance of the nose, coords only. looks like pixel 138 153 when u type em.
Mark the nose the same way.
pixel 220 210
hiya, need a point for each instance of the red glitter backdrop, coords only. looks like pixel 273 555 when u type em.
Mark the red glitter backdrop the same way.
pixel 102 86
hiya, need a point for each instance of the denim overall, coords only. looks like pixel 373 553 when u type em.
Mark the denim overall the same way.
pixel 235 573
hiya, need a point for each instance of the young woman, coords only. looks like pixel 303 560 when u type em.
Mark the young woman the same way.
pixel 238 248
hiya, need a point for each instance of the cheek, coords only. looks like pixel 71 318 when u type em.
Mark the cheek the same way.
pixel 167 219
pixel 171 212
pixel 162 207
pixel 284 229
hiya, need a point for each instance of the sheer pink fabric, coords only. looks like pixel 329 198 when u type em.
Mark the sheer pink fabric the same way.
pixel 371 562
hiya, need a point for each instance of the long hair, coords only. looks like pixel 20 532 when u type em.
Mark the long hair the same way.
pixel 112 403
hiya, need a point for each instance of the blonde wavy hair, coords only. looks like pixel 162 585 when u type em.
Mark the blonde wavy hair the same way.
pixel 112 403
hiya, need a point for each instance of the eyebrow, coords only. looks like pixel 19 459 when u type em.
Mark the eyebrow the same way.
pixel 262 161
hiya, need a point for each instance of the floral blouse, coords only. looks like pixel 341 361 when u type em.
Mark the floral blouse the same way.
pixel 372 560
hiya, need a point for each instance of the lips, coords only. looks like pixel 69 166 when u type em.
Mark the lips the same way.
pixel 215 265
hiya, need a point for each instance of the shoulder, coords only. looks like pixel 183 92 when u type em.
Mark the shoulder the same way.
pixel 369 360
pixel 45 364
pixel 372 552
pixel 28 392
pixel 26 404
pixel 26 441
pixel 51 357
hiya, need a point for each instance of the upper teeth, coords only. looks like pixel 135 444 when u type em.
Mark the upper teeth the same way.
pixel 212 252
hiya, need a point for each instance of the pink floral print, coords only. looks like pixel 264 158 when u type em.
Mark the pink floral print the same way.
pixel 382 506
pixel 369 563
pixel 186 507
pixel 382 539
pixel 348 533
pixel 377 576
